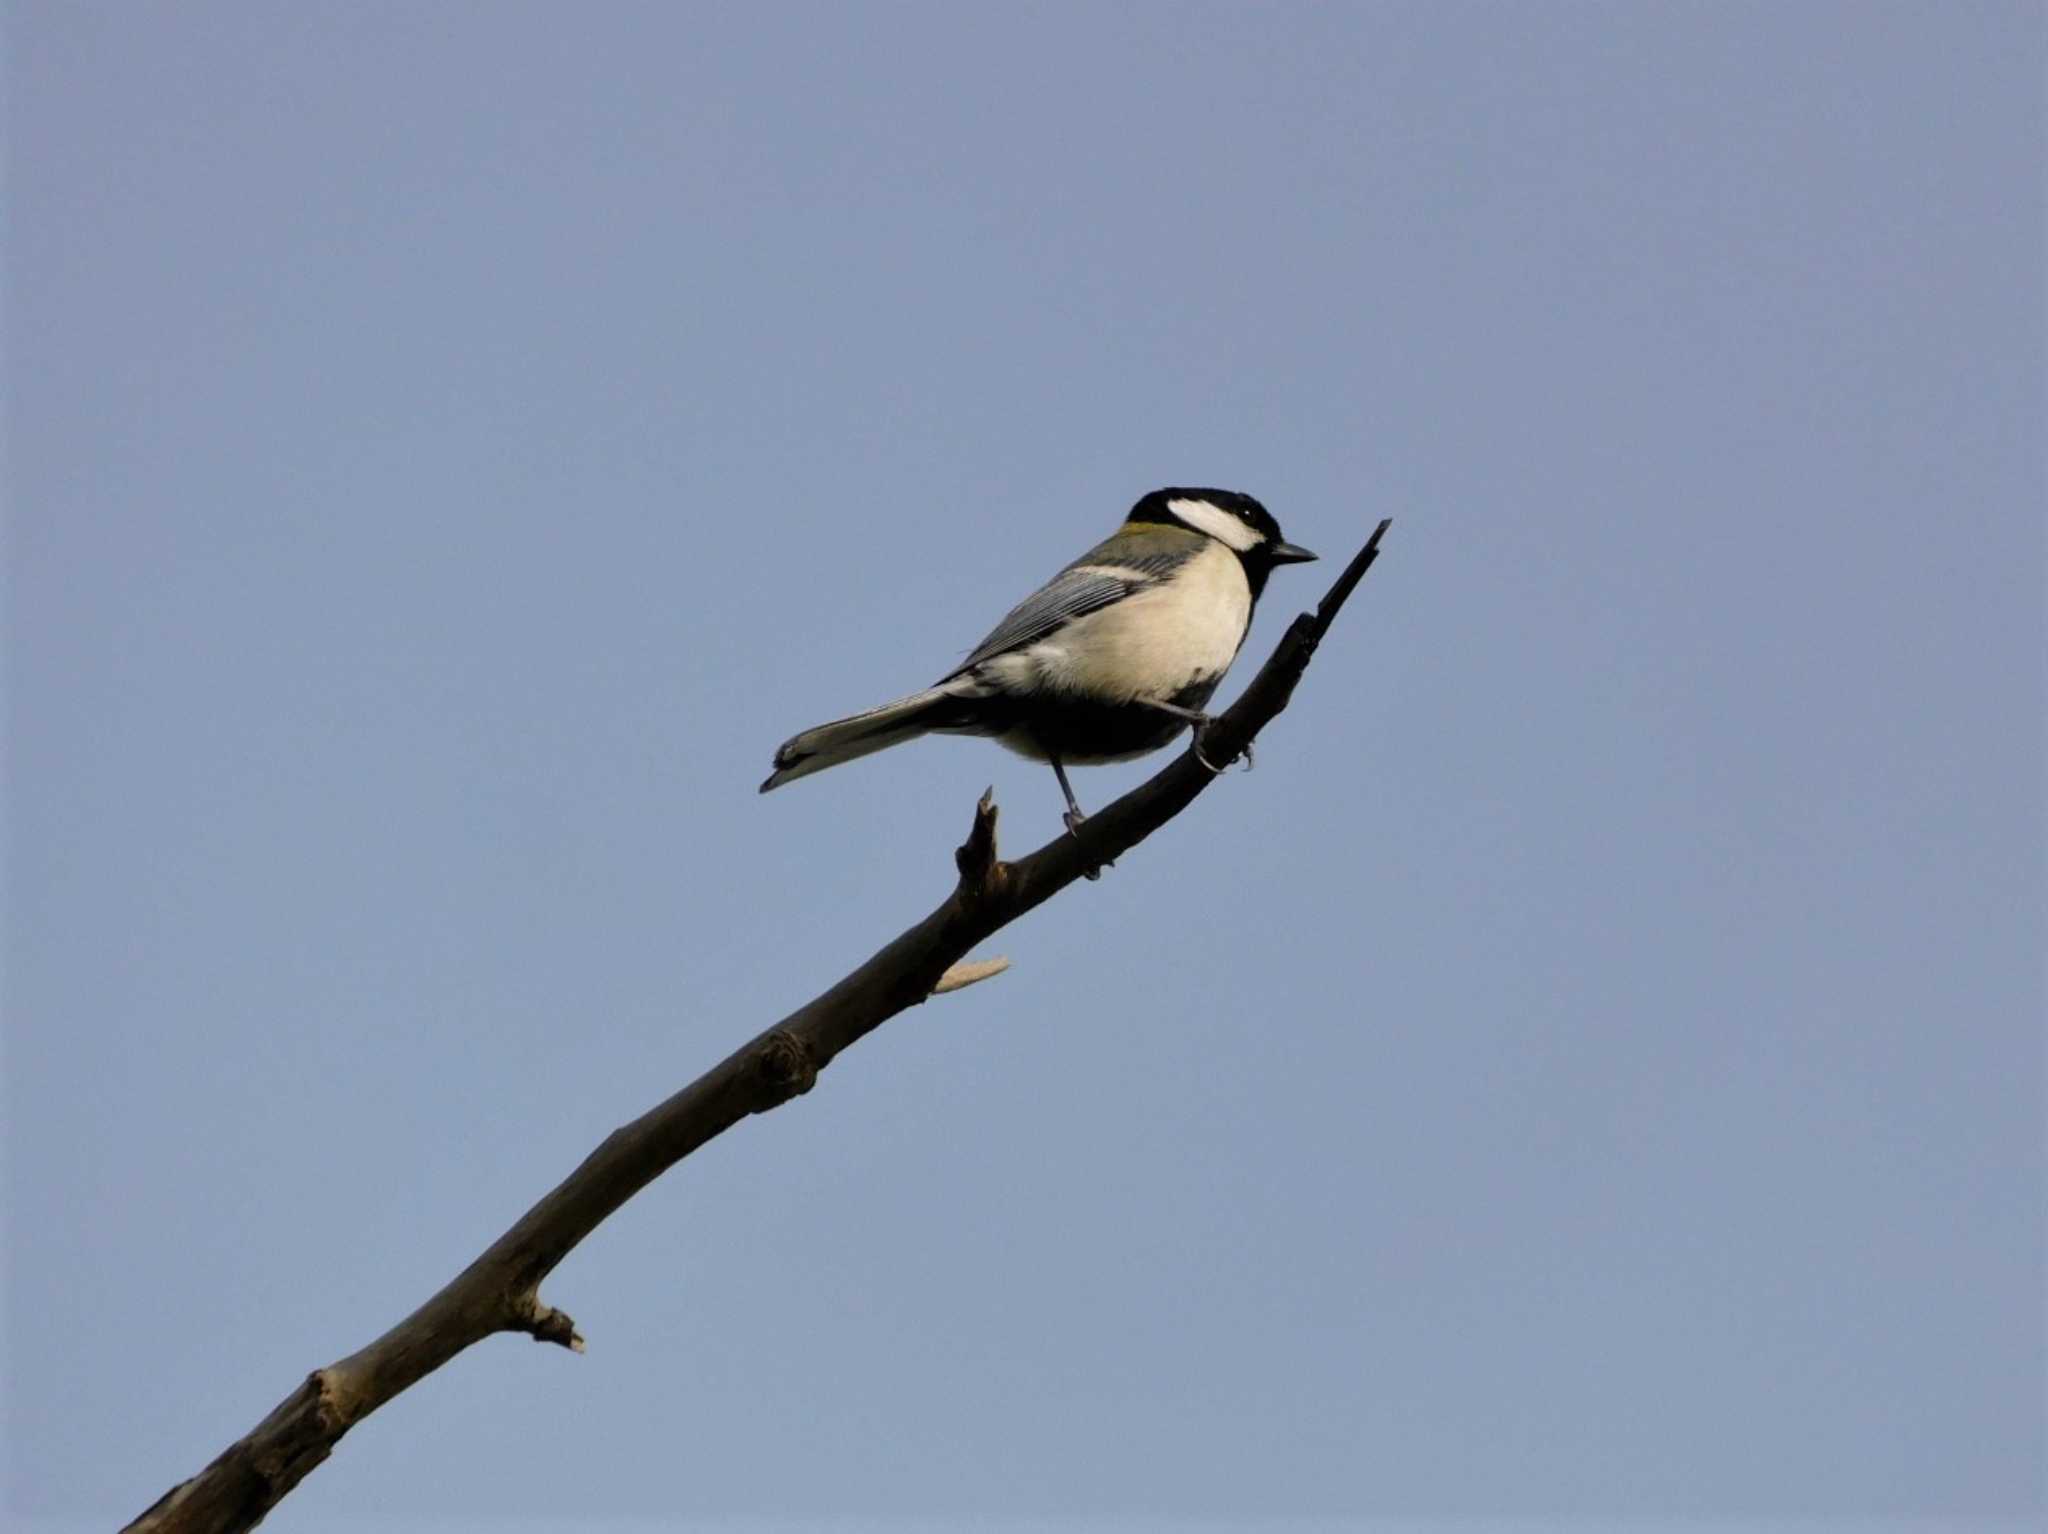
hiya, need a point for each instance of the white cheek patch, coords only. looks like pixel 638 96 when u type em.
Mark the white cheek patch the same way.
pixel 1217 523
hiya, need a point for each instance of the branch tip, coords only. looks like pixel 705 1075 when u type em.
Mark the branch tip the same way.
pixel 976 857
pixel 1333 601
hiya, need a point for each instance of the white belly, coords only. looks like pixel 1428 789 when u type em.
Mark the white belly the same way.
pixel 1157 641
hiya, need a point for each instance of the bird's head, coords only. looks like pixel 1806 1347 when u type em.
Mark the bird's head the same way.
pixel 1233 519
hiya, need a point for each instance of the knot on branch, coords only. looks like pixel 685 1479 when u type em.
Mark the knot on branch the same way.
pixel 327 1402
pixel 784 1068
pixel 305 1431
pixel 328 1410
pixel 544 1323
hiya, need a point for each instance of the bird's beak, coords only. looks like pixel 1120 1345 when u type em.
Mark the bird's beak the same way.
pixel 1289 554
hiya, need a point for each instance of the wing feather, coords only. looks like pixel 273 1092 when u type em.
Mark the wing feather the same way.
pixel 1067 596
pixel 1107 573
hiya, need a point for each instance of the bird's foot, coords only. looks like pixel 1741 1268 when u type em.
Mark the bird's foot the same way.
pixel 1073 819
pixel 1201 729
pixel 1202 723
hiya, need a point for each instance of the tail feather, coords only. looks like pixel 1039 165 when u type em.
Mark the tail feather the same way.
pixel 842 740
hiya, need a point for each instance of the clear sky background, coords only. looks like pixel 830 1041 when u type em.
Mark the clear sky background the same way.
pixel 1592 1066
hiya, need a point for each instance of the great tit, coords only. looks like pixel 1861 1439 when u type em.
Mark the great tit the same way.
pixel 1111 658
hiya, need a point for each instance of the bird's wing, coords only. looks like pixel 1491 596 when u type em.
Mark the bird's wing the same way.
pixel 1057 603
pixel 1081 588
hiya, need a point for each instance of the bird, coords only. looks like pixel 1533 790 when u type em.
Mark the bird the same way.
pixel 1109 660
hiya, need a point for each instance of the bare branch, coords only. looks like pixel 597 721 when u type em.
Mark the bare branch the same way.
pixel 500 1290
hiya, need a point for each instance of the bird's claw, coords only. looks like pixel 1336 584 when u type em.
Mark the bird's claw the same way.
pixel 1073 819
pixel 1215 771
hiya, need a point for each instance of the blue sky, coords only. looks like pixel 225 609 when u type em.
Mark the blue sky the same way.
pixel 1593 1065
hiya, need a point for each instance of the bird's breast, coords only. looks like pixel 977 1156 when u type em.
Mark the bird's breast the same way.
pixel 1156 641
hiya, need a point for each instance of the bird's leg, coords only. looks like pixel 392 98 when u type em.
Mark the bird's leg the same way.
pixel 1201 722
pixel 1074 815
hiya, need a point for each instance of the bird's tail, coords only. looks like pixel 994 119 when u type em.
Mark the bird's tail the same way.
pixel 827 745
